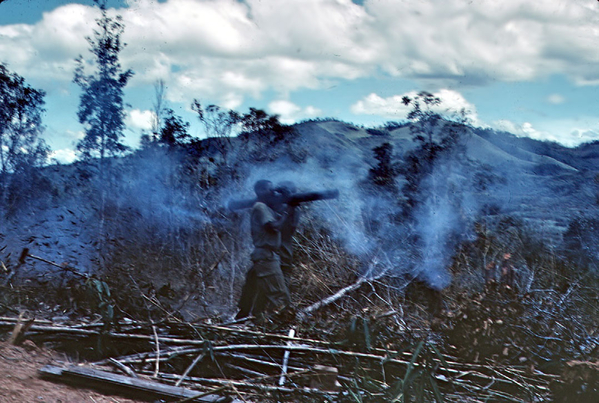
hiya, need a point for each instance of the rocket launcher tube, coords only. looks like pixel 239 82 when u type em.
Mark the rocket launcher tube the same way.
pixel 292 199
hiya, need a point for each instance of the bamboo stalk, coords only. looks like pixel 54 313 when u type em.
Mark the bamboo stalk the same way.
pixel 203 394
pixel 258 361
pixel 245 370
pixel 265 335
pixel 142 357
pixel 190 367
pixel 123 367
pixel 286 358
pixel 85 332
pixel 157 367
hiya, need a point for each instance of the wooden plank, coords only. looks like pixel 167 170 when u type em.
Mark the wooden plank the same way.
pixel 115 383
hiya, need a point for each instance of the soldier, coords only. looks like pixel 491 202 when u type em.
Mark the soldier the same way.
pixel 265 289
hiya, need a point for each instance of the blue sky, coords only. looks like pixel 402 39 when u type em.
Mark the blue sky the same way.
pixel 531 68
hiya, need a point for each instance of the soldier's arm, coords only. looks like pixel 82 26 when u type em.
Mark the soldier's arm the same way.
pixel 276 225
pixel 268 219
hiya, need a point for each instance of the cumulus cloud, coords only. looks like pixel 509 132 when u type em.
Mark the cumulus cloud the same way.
pixel 584 136
pixel 452 102
pixel 64 156
pixel 46 51
pixel 526 129
pixel 141 120
pixel 559 132
pixel 290 113
pixel 236 49
pixel 229 50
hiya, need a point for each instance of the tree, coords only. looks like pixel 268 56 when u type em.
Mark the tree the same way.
pixel 425 120
pixel 101 107
pixel 158 106
pixel 21 149
pixel 259 121
pixel 174 130
pixel 218 124
pixel 21 109
pixel 384 173
pixel 434 134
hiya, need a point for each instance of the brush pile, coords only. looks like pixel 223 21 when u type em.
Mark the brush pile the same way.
pixel 481 347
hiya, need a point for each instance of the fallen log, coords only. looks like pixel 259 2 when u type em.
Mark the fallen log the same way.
pixel 317 305
pixel 114 383
pixel 249 384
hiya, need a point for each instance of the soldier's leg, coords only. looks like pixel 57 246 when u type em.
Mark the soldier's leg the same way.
pixel 247 299
pixel 286 269
pixel 275 291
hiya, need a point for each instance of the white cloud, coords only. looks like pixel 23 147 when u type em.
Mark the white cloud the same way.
pixel 584 136
pixel 235 49
pixel 64 156
pixel 525 129
pixel 488 40
pixel 290 113
pixel 229 50
pixel 556 99
pixel 452 102
pixel 46 51
pixel 557 131
pixel 141 120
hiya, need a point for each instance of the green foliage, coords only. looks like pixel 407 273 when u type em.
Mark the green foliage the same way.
pixel 21 109
pixel 580 242
pixel 384 173
pixel 419 383
pixel 428 120
pixel 174 131
pixel 100 300
pixel 436 135
pixel 359 334
pixel 101 107
pixel 377 132
pixel 22 152
pixel 269 126
pixel 393 125
pixel 218 124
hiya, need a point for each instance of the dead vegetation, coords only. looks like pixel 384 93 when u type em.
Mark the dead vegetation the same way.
pixel 383 339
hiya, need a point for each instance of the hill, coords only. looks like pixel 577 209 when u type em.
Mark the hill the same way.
pixel 491 176
pixel 477 247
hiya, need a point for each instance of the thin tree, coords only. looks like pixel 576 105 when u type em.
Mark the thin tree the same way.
pixel 21 109
pixel 435 135
pixel 158 108
pixel 218 124
pixel 385 171
pixel 425 120
pixel 101 107
pixel 21 148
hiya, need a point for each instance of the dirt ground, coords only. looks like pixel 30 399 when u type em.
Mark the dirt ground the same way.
pixel 19 380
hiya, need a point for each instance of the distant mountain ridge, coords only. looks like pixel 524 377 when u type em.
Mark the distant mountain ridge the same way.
pixel 545 183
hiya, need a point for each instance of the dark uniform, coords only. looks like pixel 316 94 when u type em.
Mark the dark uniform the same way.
pixel 265 289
